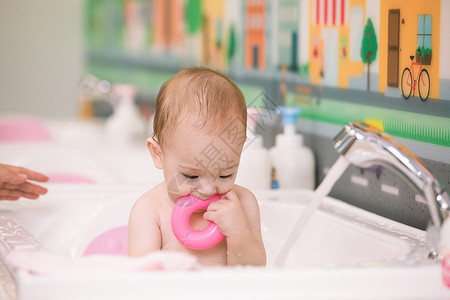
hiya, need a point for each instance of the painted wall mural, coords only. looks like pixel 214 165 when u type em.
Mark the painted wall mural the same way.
pixel 357 49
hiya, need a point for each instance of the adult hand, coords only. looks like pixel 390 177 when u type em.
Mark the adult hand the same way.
pixel 14 183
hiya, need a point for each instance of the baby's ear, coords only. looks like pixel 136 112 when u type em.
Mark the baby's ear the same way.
pixel 155 152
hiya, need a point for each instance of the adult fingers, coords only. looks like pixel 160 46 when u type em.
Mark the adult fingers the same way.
pixel 10 175
pixel 32 188
pixel 10 198
pixel 9 186
pixel 6 194
pixel 26 187
pixel 33 175
pixel 27 190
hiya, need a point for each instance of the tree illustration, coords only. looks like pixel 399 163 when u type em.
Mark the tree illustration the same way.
pixel 193 15
pixel 369 47
pixel 231 43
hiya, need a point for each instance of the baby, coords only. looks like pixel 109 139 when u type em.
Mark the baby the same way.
pixel 199 132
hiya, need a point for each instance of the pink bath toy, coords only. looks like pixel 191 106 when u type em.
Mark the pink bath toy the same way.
pixel 113 241
pixel 194 239
pixel 69 178
pixel 16 128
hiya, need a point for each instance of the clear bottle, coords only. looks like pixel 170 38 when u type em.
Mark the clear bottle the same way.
pixel 126 125
pixel 294 163
pixel 254 168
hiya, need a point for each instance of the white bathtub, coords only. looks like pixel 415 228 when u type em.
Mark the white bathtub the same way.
pixel 344 253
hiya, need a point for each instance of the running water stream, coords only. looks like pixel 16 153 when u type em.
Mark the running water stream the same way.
pixel 322 190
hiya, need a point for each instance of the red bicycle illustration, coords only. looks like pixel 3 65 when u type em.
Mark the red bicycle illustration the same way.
pixel 410 83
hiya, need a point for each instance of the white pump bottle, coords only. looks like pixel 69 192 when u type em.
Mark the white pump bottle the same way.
pixel 126 125
pixel 294 164
pixel 254 167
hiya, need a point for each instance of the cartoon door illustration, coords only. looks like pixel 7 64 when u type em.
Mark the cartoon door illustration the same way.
pixel 255 57
pixel 393 47
pixel 294 50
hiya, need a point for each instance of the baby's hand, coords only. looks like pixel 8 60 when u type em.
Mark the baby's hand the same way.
pixel 229 215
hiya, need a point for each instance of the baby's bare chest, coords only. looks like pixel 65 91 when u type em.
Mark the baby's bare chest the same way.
pixel 216 255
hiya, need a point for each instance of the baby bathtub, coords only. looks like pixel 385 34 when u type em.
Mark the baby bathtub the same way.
pixel 343 253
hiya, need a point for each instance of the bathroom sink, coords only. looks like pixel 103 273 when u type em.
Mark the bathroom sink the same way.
pixel 337 235
pixel 344 252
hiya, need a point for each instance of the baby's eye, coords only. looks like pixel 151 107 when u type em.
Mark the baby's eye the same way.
pixel 190 176
pixel 225 176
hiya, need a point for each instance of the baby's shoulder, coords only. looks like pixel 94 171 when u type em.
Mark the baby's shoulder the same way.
pixel 151 198
pixel 243 193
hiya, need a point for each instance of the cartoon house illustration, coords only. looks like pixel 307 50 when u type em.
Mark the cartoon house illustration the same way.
pixel 332 60
pixel 214 34
pixel 255 34
pixel 286 29
pixel 406 27
pixel 399 28
pixel 233 20
pixel 168 24
pixel 137 25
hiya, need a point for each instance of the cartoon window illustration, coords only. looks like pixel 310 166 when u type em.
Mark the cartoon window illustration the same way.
pixel 424 37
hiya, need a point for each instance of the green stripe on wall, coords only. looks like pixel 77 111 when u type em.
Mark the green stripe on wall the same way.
pixel 420 127
pixel 151 81
pixel 144 79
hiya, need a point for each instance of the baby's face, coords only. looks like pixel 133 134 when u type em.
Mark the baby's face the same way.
pixel 202 164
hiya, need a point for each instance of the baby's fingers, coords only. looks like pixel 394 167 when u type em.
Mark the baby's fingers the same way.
pixel 231 195
pixel 209 216
pixel 216 205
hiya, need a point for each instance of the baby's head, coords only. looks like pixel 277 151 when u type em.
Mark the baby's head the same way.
pixel 199 132
pixel 198 98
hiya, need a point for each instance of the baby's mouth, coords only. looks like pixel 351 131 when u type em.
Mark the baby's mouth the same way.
pixel 200 196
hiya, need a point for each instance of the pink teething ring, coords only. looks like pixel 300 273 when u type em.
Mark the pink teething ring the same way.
pixel 194 239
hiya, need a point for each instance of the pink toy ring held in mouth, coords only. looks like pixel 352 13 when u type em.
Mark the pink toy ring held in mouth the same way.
pixel 194 239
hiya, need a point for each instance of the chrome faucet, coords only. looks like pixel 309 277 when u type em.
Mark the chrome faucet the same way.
pixel 364 146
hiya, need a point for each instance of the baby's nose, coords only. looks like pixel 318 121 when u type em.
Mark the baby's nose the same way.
pixel 207 188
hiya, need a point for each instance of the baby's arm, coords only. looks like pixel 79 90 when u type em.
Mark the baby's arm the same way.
pixel 238 219
pixel 144 233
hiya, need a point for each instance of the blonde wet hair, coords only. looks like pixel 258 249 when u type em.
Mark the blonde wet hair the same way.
pixel 198 97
